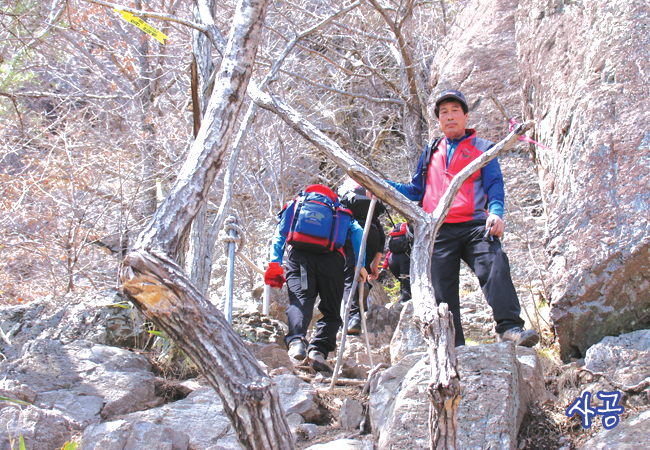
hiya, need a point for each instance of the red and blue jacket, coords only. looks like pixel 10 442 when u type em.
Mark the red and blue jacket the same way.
pixel 484 189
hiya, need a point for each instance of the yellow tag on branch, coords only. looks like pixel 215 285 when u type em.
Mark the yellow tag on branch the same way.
pixel 144 26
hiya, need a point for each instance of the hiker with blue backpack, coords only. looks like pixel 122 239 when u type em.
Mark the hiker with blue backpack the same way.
pixel 313 228
pixel 474 225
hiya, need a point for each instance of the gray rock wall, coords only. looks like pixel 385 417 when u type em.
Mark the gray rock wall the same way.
pixel 580 70
pixel 584 68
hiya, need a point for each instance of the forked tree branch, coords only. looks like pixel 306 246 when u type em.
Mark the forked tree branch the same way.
pixel 435 322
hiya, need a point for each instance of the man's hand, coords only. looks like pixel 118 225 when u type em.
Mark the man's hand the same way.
pixel 274 275
pixel 363 275
pixel 374 266
pixel 496 225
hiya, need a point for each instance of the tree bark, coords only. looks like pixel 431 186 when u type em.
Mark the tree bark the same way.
pixel 165 294
pixel 435 322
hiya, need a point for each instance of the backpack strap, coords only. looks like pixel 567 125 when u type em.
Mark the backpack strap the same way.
pixel 428 154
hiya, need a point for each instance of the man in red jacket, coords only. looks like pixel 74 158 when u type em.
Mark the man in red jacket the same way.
pixel 474 225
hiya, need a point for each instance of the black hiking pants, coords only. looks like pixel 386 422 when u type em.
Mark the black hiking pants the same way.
pixel 456 241
pixel 374 245
pixel 400 266
pixel 310 275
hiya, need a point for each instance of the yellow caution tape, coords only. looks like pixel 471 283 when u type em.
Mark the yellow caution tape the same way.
pixel 144 26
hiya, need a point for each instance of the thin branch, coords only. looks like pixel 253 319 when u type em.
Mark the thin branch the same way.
pixel 345 93
pixel 153 15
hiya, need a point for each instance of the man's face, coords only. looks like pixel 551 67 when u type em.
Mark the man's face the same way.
pixel 452 119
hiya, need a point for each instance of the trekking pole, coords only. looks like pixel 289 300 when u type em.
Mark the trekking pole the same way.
pixel 348 302
pixel 364 327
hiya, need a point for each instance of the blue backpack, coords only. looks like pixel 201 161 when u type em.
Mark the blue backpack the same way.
pixel 315 221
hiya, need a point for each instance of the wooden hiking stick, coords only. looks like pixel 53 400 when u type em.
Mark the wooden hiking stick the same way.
pixel 348 302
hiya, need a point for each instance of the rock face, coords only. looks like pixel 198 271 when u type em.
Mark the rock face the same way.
pixel 579 69
pixel 480 57
pixel 584 66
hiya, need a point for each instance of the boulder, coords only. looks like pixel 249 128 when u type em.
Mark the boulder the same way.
pixel 480 57
pixel 41 429
pixel 187 419
pixel 491 376
pixel 407 338
pixel 122 435
pixel 103 317
pixel 583 68
pixel 532 374
pixel 406 422
pixel 272 356
pixel 624 360
pixel 351 414
pixel 381 321
pixel 298 397
pixel 356 362
pixel 631 433
pixel 83 381
pixel 385 388
pixel 179 426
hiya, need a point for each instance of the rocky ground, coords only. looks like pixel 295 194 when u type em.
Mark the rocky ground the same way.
pixel 342 412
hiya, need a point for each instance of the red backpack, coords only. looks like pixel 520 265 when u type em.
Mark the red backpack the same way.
pixel 401 238
pixel 315 221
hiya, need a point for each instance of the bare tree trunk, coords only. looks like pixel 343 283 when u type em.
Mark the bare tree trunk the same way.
pixel 444 389
pixel 204 14
pixel 161 290
pixel 145 99
pixel 435 322
pixel 200 245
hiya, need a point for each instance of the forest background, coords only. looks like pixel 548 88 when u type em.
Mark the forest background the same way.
pixel 97 118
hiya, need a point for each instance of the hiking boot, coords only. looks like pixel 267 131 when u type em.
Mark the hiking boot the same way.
pixel 318 362
pixel 527 338
pixel 354 325
pixel 297 349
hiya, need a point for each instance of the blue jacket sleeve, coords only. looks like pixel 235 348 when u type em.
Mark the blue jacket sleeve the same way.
pixel 276 252
pixel 279 239
pixel 355 234
pixel 493 186
pixel 415 189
